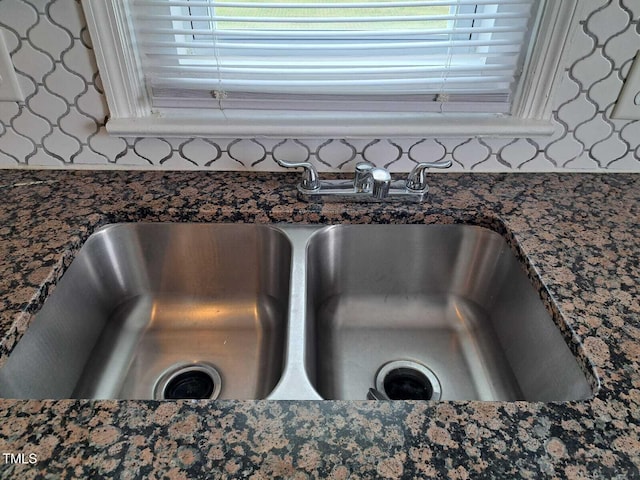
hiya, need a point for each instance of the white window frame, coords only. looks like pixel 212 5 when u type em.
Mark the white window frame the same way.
pixel 131 113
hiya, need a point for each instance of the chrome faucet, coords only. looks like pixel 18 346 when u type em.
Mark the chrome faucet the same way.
pixel 370 183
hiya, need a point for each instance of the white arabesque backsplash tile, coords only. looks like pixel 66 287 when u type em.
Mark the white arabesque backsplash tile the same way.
pixel 61 124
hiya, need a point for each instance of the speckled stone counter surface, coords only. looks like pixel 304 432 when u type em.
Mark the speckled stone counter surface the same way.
pixel 579 232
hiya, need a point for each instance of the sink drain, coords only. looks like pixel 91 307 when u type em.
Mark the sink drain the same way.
pixel 407 380
pixel 190 381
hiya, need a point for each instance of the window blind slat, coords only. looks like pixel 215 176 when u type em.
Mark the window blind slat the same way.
pixel 159 19
pixel 161 34
pixel 427 50
pixel 363 45
pixel 316 69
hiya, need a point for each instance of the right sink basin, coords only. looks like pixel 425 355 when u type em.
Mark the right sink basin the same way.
pixel 430 312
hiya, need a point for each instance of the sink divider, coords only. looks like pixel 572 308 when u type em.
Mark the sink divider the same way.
pixel 294 383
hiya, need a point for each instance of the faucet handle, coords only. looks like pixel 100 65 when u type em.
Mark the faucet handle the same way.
pixel 310 179
pixel 416 181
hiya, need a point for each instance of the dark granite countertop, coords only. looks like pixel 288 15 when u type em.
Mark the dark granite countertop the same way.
pixel 579 232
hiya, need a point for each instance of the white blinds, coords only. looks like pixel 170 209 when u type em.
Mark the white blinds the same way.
pixel 455 55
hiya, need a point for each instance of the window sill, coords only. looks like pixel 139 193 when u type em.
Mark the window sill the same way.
pixel 248 124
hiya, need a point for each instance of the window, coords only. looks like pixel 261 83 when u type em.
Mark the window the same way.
pixel 221 59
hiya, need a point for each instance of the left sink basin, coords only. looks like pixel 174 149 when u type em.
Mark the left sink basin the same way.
pixel 161 311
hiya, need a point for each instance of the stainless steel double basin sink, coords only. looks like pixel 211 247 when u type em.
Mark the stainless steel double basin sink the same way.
pixel 239 311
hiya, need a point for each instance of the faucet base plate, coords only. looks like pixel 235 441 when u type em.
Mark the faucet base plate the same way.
pixel 343 191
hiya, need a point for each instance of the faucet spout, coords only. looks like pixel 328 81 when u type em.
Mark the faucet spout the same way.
pixel 370 178
pixel 381 182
